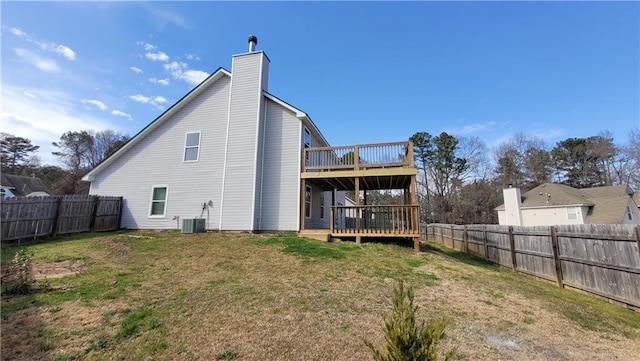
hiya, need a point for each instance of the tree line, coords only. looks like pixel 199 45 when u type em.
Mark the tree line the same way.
pixel 460 183
pixel 78 152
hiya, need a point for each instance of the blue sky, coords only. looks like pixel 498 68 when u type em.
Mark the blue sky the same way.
pixel 364 72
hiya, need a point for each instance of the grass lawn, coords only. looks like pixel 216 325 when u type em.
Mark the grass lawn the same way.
pixel 148 295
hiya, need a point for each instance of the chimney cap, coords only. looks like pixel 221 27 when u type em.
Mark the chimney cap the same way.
pixel 253 38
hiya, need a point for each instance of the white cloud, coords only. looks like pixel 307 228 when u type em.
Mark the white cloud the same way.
pixel 192 57
pixel 194 77
pixel 66 52
pixel 136 70
pixel 140 98
pixel 120 113
pixel 181 71
pixel 164 81
pixel 98 104
pixel 32 118
pixel 149 47
pixel 159 56
pixel 30 95
pixel 156 101
pixel 44 64
pixel 472 128
pixel 18 32
pixel 48 46
pixel 167 16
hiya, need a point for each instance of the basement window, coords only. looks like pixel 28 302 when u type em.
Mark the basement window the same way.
pixel 572 213
pixel 322 206
pixel 158 201
pixel 192 147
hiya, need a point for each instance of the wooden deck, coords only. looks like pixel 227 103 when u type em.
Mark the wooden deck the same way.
pixel 366 167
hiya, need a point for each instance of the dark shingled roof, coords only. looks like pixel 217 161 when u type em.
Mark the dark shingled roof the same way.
pixel 23 186
pixel 608 204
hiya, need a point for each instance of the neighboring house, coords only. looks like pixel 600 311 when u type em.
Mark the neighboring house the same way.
pixel 235 154
pixel 554 204
pixel 17 186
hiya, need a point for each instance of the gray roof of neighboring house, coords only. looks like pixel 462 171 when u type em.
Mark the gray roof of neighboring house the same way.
pixel 22 185
pixel 607 204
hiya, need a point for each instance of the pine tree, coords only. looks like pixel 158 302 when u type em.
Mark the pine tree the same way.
pixel 404 338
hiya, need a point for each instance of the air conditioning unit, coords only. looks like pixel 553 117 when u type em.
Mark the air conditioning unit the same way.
pixel 195 225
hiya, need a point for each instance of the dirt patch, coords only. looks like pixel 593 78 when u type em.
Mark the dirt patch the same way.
pixel 115 247
pixel 57 269
pixel 41 271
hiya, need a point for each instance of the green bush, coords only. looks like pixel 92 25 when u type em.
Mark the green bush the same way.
pixel 22 271
pixel 404 339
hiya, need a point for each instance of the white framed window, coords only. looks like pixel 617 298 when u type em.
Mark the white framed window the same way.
pixel 158 205
pixel 572 213
pixel 306 138
pixel 192 146
pixel 307 202
pixel 322 206
pixel 306 141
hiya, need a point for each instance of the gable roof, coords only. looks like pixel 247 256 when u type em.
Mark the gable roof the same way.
pixel 24 186
pixel 607 204
pixel 166 115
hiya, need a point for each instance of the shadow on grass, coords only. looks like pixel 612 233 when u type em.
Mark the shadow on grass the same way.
pixel 467 258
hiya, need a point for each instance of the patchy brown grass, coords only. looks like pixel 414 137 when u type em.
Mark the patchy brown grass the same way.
pixel 162 295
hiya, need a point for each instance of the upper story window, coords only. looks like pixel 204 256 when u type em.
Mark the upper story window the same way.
pixel 192 147
pixel 306 138
pixel 572 213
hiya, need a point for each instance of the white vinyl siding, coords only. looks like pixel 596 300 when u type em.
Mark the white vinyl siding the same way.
pixel 240 173
pixel 158 158
pixel 281 169
pixel 158 206
pixel 192 147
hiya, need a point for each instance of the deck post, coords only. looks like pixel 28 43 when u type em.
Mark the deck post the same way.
pixel 357 200
pixel 303 202
pixel 414 202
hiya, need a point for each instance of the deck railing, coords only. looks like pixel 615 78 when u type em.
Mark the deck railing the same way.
pixel 357 157
pixel 383 220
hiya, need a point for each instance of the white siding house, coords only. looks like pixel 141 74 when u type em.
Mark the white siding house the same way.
pixel 228 151
pixel 554 204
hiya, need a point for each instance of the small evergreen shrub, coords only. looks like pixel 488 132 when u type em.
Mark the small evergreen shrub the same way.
pixel 404 339
pixel 22 272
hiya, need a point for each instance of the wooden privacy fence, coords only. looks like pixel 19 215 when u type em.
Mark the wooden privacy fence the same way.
pixel 29 217
pixel 603 259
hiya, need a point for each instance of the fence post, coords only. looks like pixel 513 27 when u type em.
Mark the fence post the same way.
pixel 556 256
pixel 512 247
pixel 486 244
pixel 464 239
pixel 56 220
pixel 453 238
pixel 638 238
pixel 120 209
pixel 94 213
